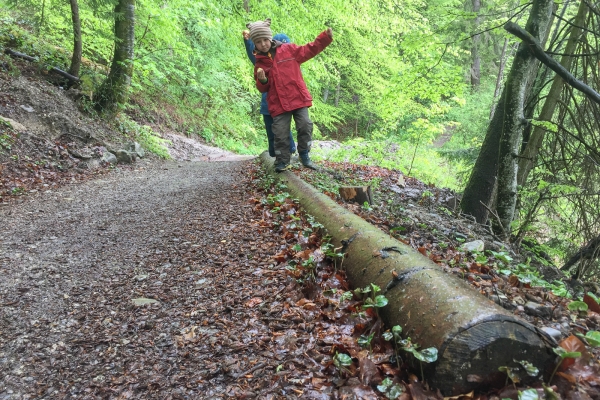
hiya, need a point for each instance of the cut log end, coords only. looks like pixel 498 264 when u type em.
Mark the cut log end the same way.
pixel 470 360
pixel 356 194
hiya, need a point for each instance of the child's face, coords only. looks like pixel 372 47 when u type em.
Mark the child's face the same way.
pixel 263 44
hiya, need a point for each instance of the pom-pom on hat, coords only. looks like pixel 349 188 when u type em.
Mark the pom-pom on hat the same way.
pixel 260 29
pixel 282 37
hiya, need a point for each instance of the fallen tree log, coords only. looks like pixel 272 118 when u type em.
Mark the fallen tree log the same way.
pixel 16 54
pixel 62 73
pixel 473 335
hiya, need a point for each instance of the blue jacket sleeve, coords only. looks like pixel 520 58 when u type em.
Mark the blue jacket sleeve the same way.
pixel 250 50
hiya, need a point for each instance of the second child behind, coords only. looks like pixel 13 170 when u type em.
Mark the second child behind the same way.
pixel 277 72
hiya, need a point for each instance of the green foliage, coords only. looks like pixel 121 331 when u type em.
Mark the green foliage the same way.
pixel 428 165
pixel 342 362
pixel 390 389
pixel 593 338
pixel 149 139
pixel 529 394
pixel 577 306
pixel 562 354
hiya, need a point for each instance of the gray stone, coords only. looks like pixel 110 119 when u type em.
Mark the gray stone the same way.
pixel 136 148
pixel 412 193
pixel 475 245
pixel 109 157
pixel 538 310
pixel 143 301
pixel 15 125
pixel 555 333
pixel 124 156
pixel 90 164
pixel 27 108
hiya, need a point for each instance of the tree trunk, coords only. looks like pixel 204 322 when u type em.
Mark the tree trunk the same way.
pixel 504 132
pixel 114 90
pixel 529 155
pixel 538 25
pixel 587 252
pixel 476 65
pixel 77 45
pixel 337 94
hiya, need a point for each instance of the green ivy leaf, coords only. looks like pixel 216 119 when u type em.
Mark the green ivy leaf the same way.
pixel 593 338
pixel 529 368
pixel 364 341
pixel 381 301
pixel 529 394
pixel 577 306
pixel 342 360
pixel 562 353
pixel 428 355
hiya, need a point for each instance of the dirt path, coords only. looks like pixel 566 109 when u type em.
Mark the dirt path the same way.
pixel 184 234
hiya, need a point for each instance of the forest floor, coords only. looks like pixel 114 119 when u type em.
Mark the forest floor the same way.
pixel 171 279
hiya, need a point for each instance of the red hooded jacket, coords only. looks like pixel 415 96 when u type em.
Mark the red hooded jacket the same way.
pixel 285 87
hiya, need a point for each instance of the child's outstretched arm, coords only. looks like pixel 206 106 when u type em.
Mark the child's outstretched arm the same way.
pixel 308 51
pixel 249 47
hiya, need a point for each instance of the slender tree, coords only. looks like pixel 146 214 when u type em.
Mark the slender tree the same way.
pixel 114 90
pixel 475 57
pixel 77 43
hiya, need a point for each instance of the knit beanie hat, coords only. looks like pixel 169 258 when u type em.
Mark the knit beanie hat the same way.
pixel 260 29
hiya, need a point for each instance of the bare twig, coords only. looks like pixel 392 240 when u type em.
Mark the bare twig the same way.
pixel 251 370
pixel 496 216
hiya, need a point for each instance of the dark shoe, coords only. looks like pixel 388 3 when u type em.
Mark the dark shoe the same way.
pixel 305 160
pixel 282 167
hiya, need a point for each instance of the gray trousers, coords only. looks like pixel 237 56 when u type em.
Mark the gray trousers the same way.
pixel 281 131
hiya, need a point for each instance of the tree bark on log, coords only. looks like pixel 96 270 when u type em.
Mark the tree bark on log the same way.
pixel 473 335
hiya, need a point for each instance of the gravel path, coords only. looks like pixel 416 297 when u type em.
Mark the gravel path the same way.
pixel 182 234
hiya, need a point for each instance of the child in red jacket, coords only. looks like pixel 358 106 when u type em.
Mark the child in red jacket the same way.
pixel 277 72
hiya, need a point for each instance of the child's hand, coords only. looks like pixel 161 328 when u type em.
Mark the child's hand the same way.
pixel 246 34
pixel 329 32
pixel 260 74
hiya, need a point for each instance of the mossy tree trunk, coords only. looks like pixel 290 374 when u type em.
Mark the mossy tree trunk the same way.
pixel 114 90
pixel 77 44
pixel 504 130
pixel 529 154
pixel 538 25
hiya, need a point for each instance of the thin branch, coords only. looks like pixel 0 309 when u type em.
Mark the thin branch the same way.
pixel 495 216
pixel 561 71
pixel 583 28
